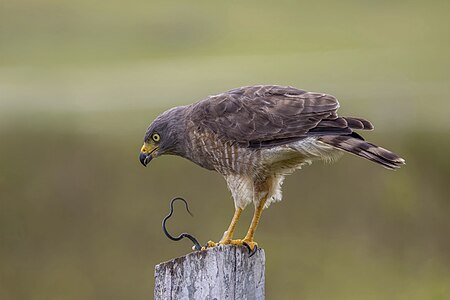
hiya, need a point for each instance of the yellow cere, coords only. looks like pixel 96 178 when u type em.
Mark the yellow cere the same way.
pixel 148 148
pixel 144 149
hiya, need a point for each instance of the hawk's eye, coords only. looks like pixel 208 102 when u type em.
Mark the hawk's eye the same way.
pixel 156 137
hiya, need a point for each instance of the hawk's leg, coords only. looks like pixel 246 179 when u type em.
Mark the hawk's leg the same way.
pixel 228 235
pixel 248 239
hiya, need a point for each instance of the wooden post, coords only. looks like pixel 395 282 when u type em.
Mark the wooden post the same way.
pixel 223 272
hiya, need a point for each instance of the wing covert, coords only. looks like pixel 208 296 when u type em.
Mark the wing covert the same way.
pixel 260 115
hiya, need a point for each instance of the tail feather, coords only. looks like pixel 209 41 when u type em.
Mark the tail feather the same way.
pixel 358 123
pixel 353 144
pixel 340 126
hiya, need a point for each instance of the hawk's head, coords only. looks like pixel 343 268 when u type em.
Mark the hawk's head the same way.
pixel 164 136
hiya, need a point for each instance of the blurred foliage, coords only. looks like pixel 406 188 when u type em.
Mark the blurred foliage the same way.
pixel 81 80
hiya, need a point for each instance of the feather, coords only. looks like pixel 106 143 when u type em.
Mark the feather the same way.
pixel 358 123
pixel 260 117
pixel 265 115
pixel 359 147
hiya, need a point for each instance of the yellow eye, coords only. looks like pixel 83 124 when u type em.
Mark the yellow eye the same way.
pixel 156 137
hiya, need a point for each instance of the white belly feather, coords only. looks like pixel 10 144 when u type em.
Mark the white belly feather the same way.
pixel 278 162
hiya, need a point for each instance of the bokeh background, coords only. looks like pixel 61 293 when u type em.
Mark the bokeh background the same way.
pixel 81 80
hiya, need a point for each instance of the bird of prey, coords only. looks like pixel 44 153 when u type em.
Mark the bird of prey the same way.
pixel 254 136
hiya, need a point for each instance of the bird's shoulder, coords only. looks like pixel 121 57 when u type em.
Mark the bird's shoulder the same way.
pixel 273 99
pixel 264 112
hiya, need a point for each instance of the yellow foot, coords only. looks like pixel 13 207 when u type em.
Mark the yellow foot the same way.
pixel 250 245
pixel 210 244
pixel 232 242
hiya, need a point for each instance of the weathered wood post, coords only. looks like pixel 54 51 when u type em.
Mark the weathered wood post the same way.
pixel 223 272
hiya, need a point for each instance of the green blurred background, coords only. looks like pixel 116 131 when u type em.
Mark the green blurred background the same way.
pixel 81 80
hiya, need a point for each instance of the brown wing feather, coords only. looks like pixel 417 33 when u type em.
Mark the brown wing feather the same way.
pixel 267 115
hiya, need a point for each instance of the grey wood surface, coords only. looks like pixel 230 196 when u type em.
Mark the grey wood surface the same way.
pixel 223 272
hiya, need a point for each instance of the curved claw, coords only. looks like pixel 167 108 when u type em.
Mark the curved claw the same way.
pixel 254 251
pixel 251 251
pixel 248 247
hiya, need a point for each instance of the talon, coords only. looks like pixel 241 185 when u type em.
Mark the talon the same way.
pixel 251 246
pixel 254 251
pixel 248 247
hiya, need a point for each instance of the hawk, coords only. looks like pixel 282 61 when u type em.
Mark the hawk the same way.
pixel 254 136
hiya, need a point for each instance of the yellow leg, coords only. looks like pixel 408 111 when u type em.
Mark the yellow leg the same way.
pixel 248 240
pixel 226 239
pixel 256 217
pixel 228 235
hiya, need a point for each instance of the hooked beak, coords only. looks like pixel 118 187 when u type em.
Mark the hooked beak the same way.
pixel 146 154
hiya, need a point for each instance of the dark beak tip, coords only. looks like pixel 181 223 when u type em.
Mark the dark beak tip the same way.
pixel 144 159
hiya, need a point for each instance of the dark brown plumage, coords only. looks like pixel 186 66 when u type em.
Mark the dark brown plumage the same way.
pixel 266 116
pixel 254 136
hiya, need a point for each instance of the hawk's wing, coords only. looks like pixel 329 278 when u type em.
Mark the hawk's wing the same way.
pixel 261 116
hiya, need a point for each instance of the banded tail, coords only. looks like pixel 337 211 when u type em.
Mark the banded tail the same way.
pixel 355 144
